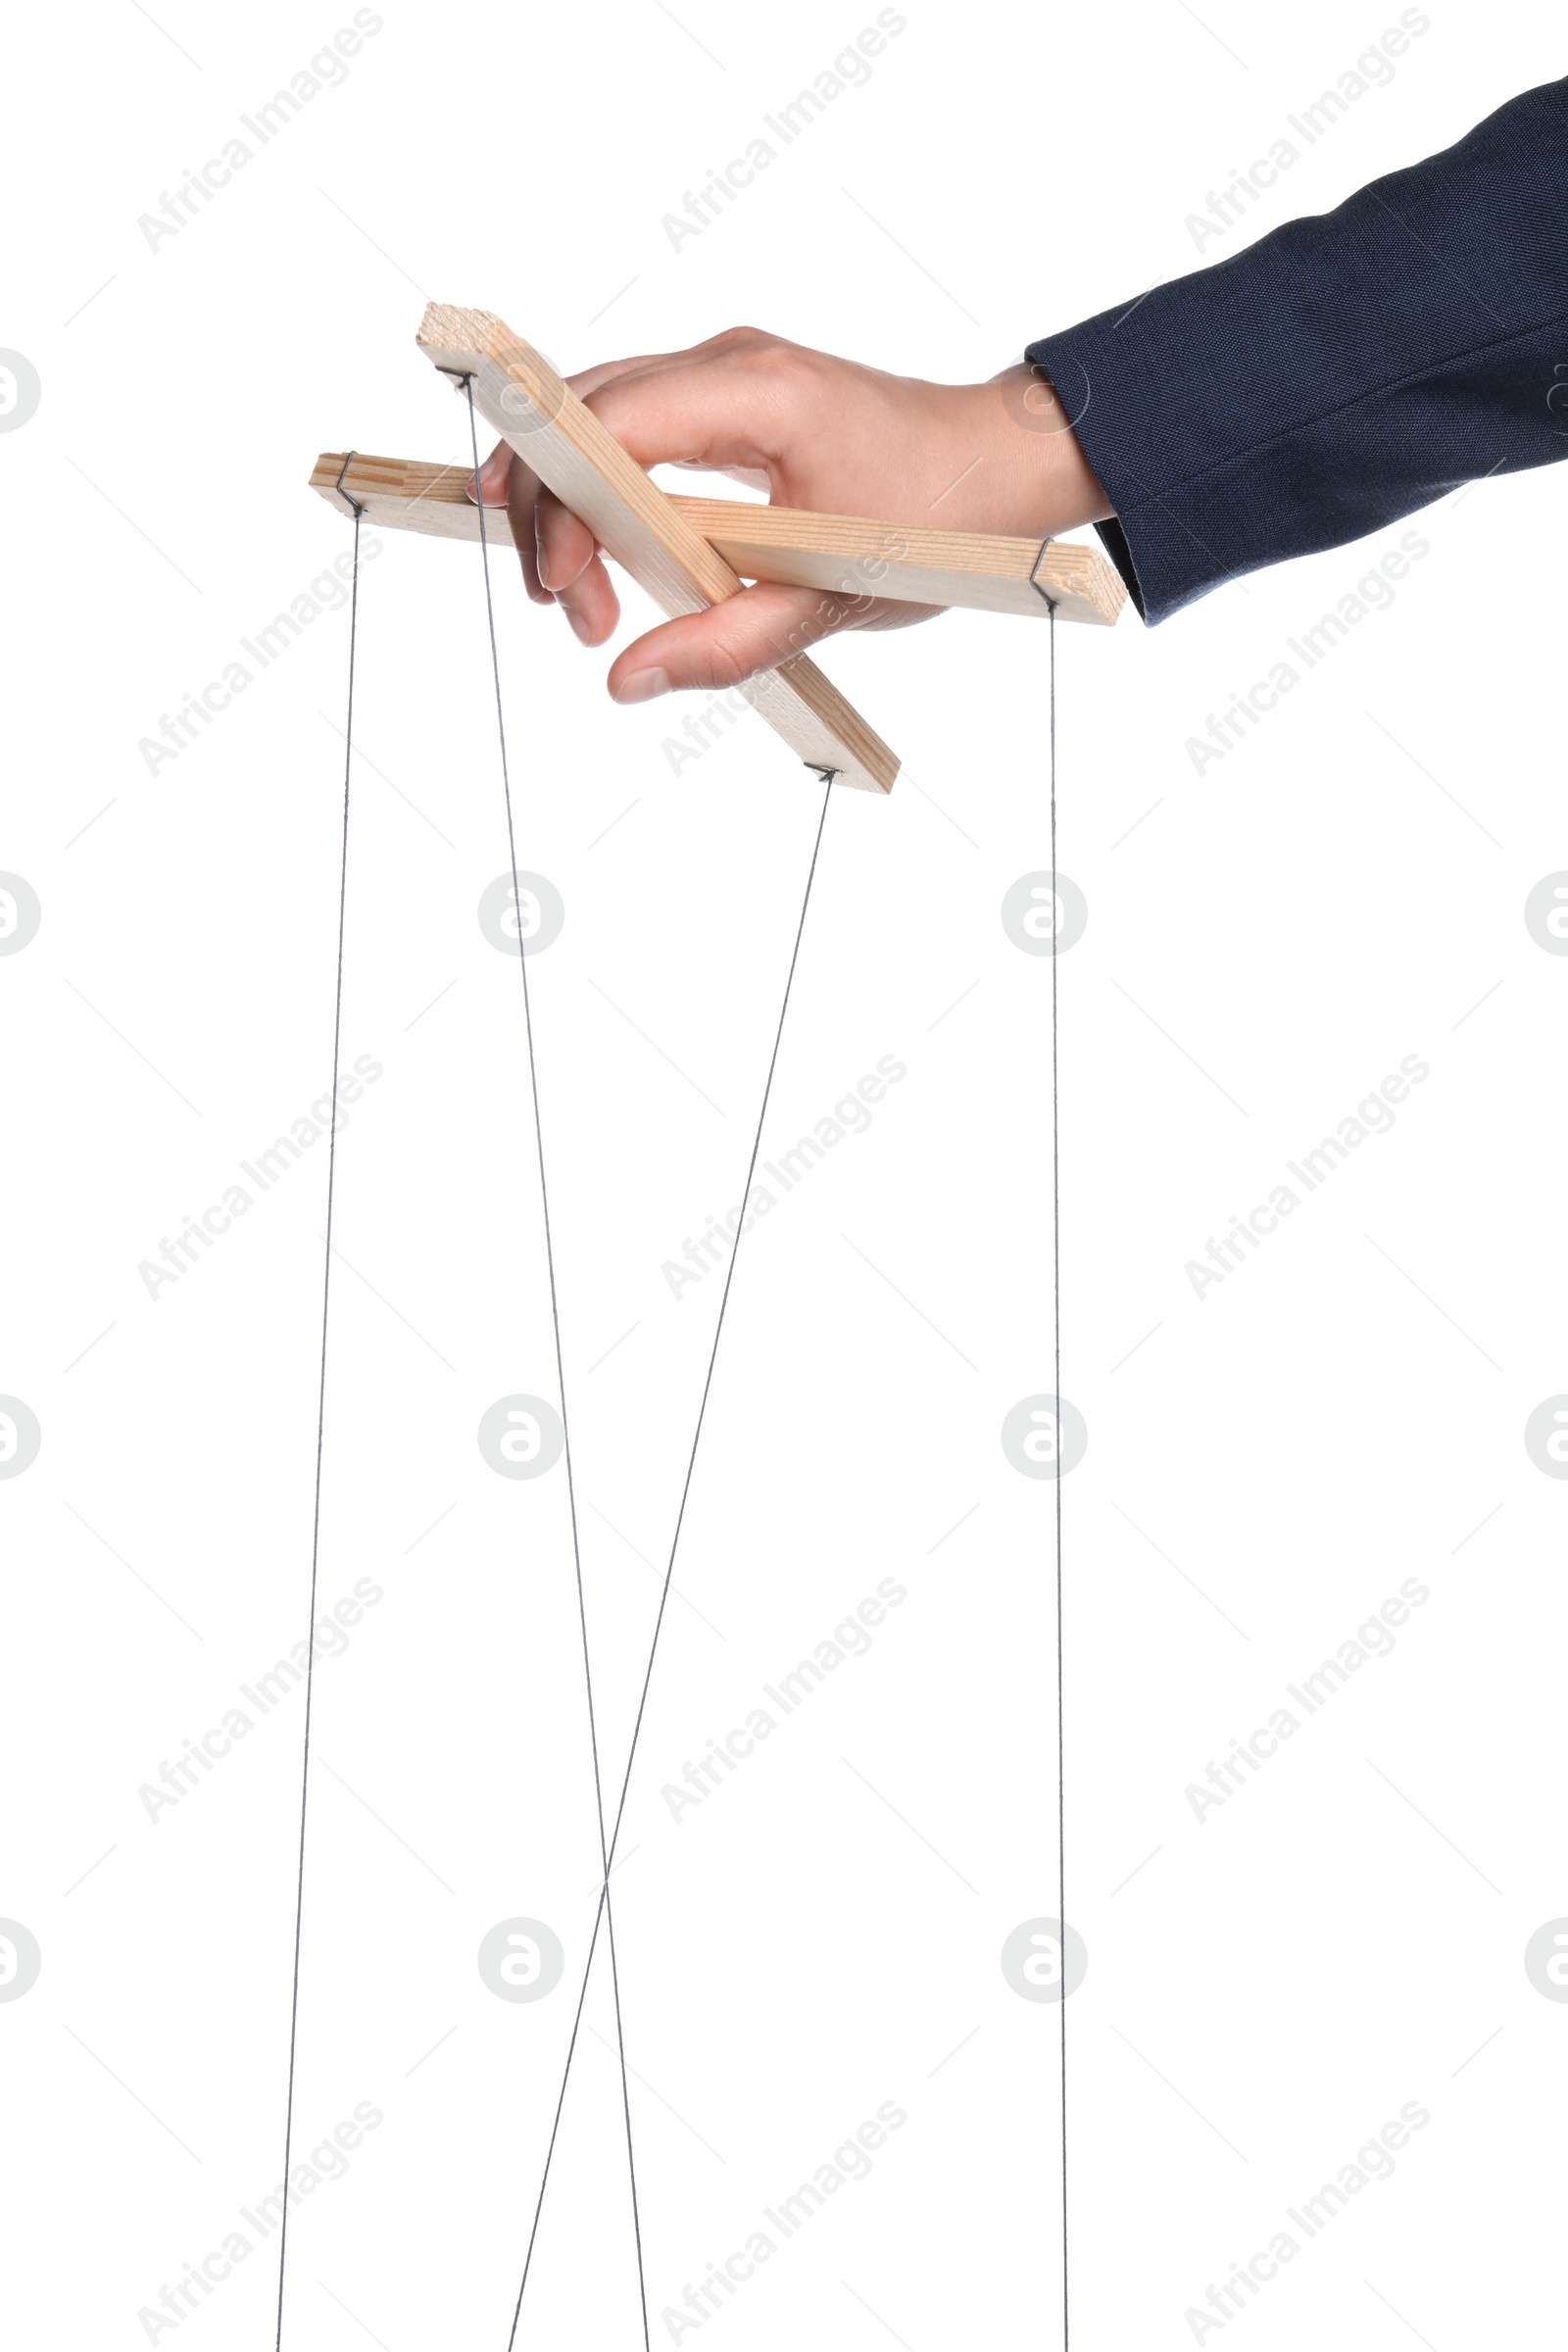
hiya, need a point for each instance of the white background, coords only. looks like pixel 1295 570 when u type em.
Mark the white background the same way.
pixel 1344 1936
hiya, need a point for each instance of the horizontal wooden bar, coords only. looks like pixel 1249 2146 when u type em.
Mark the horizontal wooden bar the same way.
pixel 841 553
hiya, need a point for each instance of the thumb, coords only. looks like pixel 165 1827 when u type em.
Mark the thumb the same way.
pixel 753 631
pixel 492 477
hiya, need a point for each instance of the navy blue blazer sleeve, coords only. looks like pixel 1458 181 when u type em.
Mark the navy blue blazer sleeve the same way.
pixel 1341 372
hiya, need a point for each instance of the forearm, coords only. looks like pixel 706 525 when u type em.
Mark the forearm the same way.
pixel 1343 372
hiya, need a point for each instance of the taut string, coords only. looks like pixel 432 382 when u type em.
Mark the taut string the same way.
pixel 321 1416
pixel 605 1851
pixel 602 1914
pixel 1055 1294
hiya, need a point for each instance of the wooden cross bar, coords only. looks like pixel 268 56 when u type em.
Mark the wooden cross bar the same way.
pixel 689 553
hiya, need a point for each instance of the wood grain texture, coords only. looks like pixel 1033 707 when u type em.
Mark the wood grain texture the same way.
pixel 522 398
pixel 788 544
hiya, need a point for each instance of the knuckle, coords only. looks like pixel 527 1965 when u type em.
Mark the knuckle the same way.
pixel 726 665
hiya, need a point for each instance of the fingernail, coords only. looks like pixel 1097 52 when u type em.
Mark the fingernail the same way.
pixel 581 625
pixel 643 685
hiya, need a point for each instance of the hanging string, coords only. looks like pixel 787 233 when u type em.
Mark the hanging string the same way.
pixel 605 1851
pixel 603 1912
pixel 1056 1292
pixel 321 1415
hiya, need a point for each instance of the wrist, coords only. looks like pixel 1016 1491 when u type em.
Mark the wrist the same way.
pixel 1039 476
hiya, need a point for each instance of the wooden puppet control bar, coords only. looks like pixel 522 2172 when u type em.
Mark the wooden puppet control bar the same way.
pixel 689 553
pixel 840 553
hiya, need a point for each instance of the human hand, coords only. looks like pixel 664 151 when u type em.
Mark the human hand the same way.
pixel 815 432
